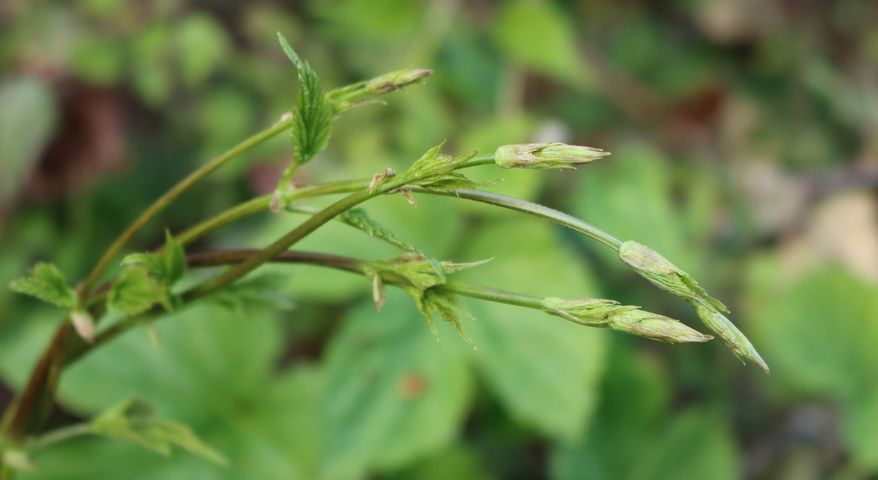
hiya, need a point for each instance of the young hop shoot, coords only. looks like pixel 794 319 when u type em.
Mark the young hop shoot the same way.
pixel 148 284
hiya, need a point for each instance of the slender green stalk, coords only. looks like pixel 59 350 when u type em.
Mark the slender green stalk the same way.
pixel 281 244
pixel 262 203
pixel 624 318
pixel 163 201
pixel 348 264
pixel 19 417
pixel 60 434
pixel 531 208
pixel 494 295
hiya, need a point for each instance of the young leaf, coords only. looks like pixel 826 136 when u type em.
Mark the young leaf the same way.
pixel 47 283
pixel 174 258
pixel 358 218
pixel 134 292
pixel 152 263
pixel 166 267
pixel 446 305
pixel 135 421
pixel 312 120
pixel 436 171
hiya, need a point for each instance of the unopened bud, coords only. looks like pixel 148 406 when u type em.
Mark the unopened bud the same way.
pixel 395 80
pixel 650 265
pixel 736 341
pixel 355 94
pixel 625 318
pixel 656 327
pixel 593 312
pixel 545 155
pixel 83 324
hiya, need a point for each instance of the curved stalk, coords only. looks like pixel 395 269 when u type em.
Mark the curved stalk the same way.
pixel 530 208
pixel 163 201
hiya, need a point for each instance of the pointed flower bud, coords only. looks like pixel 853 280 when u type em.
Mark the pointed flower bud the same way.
pixel 545 155
pixel 656 327
pixel 730 334
pixel 349 96
pixel 650 265
pixel 83 324
pixel 392 81
pixel 625 318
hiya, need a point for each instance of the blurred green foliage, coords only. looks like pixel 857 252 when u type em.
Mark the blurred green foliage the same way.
pixel 743 140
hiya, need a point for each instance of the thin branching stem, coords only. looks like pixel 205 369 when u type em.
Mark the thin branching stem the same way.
pixel 60 435
pixel 530 208
pixel 338 262
pixel 163 201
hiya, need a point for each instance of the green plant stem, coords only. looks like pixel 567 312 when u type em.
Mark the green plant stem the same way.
pixel 18 418
pixel 283 243
pixel 495 295
pixel 348 264
pixel 60 434
pixel 163 201
pixel 262 203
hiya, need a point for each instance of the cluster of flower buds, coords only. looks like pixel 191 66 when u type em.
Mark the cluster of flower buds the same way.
pixel 545 155
pixel 625 318
pixel 650 265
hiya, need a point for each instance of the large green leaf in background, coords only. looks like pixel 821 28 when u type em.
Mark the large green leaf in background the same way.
pixel 393 392
pixel 629 196
pixel 271 438
pixel 544 370
pixel 637 434
pixel 537 36
pixel 202 46
pixel 213 372
pixel 27 117
pixel 823 324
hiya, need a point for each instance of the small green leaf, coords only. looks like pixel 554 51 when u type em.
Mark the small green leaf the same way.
pixel 152 263
pixel 446 305
pixel 358 218
pixel 47 283
pixel 134 292
pixel 164 268
pixel 174 258
pixel 436 171
pixel 135 421
pixel 312 120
